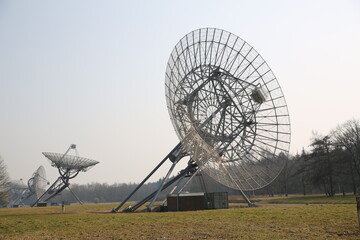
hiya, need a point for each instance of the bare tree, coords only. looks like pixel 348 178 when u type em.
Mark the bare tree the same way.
pixel 322 164
pixel 4 184
pixel 348 135
pixel 301 170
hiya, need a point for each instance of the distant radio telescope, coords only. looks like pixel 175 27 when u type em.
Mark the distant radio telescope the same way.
pixel 69 167
pixel 35 187
pixel 37 183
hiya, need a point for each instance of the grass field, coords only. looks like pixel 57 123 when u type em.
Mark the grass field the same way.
pixel 313 199
pixel 267 221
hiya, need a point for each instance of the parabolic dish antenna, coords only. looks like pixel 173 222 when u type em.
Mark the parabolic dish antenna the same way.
pixel 37 183
pixel 69 167
pixel 227 108
pixel 35 186
pixel 228 111
pixel 72 162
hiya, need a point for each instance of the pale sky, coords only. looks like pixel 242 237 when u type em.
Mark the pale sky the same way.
pixel 92 73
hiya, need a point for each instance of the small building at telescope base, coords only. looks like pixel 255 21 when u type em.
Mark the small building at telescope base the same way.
pixel 197 201
pixel 42 204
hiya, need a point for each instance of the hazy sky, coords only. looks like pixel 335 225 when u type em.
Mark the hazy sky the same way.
pixel 92 73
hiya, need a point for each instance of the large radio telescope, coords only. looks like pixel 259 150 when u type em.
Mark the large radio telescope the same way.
pixel 228 111
pixel 227 108
pixel 69 167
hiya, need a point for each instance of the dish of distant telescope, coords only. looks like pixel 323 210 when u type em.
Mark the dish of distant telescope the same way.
pixel 62 161
pixel 38 182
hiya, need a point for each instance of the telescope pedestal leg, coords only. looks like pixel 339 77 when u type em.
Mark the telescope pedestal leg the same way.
pixel 250 204
pixel 50 188
pixel 75 195
pixel 161 186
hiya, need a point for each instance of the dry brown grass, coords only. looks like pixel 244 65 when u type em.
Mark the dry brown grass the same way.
pixel 330 221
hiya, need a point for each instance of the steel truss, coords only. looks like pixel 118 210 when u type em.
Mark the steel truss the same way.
pixel 174 156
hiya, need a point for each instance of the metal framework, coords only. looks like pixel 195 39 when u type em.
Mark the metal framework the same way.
pixel 69 167
pixel 227 109
pixel 17 192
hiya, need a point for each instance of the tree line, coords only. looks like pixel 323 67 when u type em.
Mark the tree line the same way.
pixel 330 166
